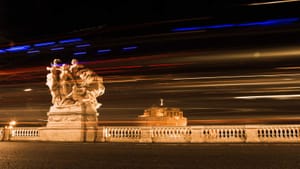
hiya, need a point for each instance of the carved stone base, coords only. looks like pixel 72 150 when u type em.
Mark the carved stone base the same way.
pixel 69 134
pixel 73 116
pixel 71 123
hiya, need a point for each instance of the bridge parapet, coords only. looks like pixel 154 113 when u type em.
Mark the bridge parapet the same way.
pixel 167 134
pixel 122 134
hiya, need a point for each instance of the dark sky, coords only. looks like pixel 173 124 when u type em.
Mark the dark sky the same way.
pixel 33 19
pixel 20 19
pixel 23 21
pixel 28 20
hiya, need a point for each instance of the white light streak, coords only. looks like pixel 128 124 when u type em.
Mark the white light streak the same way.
pixel 239 76
pixel 288 68
pixel 271 2
pixel 288 96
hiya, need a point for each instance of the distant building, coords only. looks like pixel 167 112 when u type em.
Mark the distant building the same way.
pixel 162 116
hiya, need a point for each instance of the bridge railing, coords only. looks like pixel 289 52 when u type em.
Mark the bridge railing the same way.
pixel 279 134
pixel 168 134
pixel 24 134
pixel 205 134
pixel 122 134
pixel 218 134
pixel 1 133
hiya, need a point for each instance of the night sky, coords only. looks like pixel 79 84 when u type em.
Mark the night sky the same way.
pixel 240 74
pixel 28 20
pixel 39 17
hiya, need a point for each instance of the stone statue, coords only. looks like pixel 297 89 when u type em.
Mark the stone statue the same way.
pixel 66 81
pixel 75 67
pixel 74 113
pixel 53 81
pixel 74 85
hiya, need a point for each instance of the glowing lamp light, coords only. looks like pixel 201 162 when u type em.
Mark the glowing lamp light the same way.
pixel 28 90
pixel 12 123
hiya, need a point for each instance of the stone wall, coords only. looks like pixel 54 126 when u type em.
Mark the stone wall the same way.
pixel 137 134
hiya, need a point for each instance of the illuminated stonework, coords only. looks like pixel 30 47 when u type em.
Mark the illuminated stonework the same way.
pixel 73 84
pixel 163 116
pixel 74 90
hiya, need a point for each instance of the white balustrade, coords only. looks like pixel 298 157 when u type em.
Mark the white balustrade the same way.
pixel 123 132
pixel 208 134
pixel 1 133
pixel 171 132
pixel 211 134
pixel 231 133
pixel 22 132
pixel 188 134
pixel 278 134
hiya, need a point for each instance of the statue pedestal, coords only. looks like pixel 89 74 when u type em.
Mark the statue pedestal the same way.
pixel 71 123
pixel 74 116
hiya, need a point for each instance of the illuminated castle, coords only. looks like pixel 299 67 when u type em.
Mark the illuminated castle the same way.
pixel 162 116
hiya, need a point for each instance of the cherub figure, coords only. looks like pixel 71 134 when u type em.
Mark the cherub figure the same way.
pixel 74 69
pixel 66 81
pixel 53 81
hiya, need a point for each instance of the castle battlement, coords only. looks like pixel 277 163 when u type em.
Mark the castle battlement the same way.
pixel 163 116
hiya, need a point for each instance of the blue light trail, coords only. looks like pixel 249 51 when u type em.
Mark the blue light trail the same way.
pixel 271 22
pixel 83 45
pixel 129 48
pixel 79 53
pixel 44 44
pixel 18 48
pixel 70 40
pixel 101 51
pixel 56 49
pixel 33 51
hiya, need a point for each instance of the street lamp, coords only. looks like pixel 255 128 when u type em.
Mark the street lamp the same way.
pixel 12 124
pixel 8 130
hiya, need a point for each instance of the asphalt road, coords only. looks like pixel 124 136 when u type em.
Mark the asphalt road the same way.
pixel 39 155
